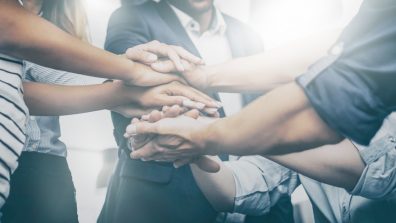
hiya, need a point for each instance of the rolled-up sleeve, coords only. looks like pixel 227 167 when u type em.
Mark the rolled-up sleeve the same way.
pixel 260 183
pixel 378 180
pixel 353 89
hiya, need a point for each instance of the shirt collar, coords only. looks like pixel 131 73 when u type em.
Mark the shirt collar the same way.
pixel 218 25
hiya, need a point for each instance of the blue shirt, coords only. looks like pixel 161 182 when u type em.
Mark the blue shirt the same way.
pixel 43 132
pixel 260 183
pixel 353 89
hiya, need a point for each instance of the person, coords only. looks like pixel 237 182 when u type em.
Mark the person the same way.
pixel 363 84
pixel 58 50
pixel 346 182
pixel 206 32
pixel 43 178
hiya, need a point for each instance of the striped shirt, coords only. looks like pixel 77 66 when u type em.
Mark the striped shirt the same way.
pixel 13 118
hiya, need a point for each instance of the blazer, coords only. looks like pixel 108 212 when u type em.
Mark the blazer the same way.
pixel 135 24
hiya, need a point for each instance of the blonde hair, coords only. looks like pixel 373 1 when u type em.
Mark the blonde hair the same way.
pixel 69 15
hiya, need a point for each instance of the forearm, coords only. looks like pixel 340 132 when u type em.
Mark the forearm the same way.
pixel 54 100
pixel 27 36
pixel 339 165
pixel 270 69
pixel 282 121
pixel 218 188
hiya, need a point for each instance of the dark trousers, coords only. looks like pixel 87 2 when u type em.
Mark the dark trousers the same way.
pixel 177 199
pixel 42 191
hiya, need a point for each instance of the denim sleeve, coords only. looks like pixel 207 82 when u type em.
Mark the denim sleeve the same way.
pixel 355 90
pixel 260 183
pixel 378 180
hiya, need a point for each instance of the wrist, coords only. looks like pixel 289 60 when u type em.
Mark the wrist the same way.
pixel 128 94
pixel 210 139
pixel 211 77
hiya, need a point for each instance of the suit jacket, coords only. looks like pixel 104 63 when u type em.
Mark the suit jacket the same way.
pixel 132 25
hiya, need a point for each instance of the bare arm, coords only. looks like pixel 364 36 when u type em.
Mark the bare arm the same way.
pixel 270 69
pixel 261 72
pixel 282 121
pixel 44 99
pixel 338 165
pixel 27 36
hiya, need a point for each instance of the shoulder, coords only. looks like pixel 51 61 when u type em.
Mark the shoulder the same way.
pixel 130 11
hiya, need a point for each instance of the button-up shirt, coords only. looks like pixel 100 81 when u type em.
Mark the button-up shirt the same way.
pixel 353 89
pixel 43 132
pixel 260 183
pixel 214 48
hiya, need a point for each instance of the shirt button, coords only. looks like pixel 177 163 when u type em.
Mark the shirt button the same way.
pixel 392 139
pixel 337 49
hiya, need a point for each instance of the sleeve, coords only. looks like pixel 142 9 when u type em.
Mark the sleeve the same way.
pixel 353 89
pixel 126 29
pixel 378 180
pixel 260 184
pixel 37 73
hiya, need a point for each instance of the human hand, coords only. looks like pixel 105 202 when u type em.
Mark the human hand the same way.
pixel 177 58
pixel 140 100
pixel 196 75
pixel 151 142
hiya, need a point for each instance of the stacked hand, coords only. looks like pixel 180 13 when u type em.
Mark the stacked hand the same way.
pixel 150 146
pixel 155 63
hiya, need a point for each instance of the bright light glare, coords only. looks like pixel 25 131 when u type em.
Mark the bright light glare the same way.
pixel 98 12
pixel 279 21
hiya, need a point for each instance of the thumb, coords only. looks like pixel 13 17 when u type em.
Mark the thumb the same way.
pixel 165 66
pixel 140 128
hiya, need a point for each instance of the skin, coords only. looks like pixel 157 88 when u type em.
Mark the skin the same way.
pixel 43 99
pixel 339 165
pixel 260 72
pixel 21 37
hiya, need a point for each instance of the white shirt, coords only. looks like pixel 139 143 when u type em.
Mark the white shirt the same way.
pixel 214 48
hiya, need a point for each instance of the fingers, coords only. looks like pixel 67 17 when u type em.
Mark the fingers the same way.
pixel 166 66
pixel 192 114
pixel 194 95
pixel 203 162
pixel 189 57
pixel 142 56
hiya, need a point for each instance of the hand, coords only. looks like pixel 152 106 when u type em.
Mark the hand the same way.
pixel 151 141
pixel 153 51
pixel 196 75
pixel 187 145
pixel 140 100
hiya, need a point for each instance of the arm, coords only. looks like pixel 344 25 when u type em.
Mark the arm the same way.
pixel 43 99
pixel 250 185
pixel 22 37
pixel 282 121
pixel 338 165
pixel 260 72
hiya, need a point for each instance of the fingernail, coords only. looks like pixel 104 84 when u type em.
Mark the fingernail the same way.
pixel 126 135
pixel 200 105
pixel 131 130
pixel 211 110
pixel 152 57
pixel 188 103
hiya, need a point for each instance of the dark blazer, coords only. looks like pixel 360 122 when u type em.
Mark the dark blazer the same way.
pixel 129 26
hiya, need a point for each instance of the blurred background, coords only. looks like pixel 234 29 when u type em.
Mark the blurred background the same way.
pixel 92 149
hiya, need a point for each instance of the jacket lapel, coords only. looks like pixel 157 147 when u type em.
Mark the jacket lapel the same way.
pixel 170 18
